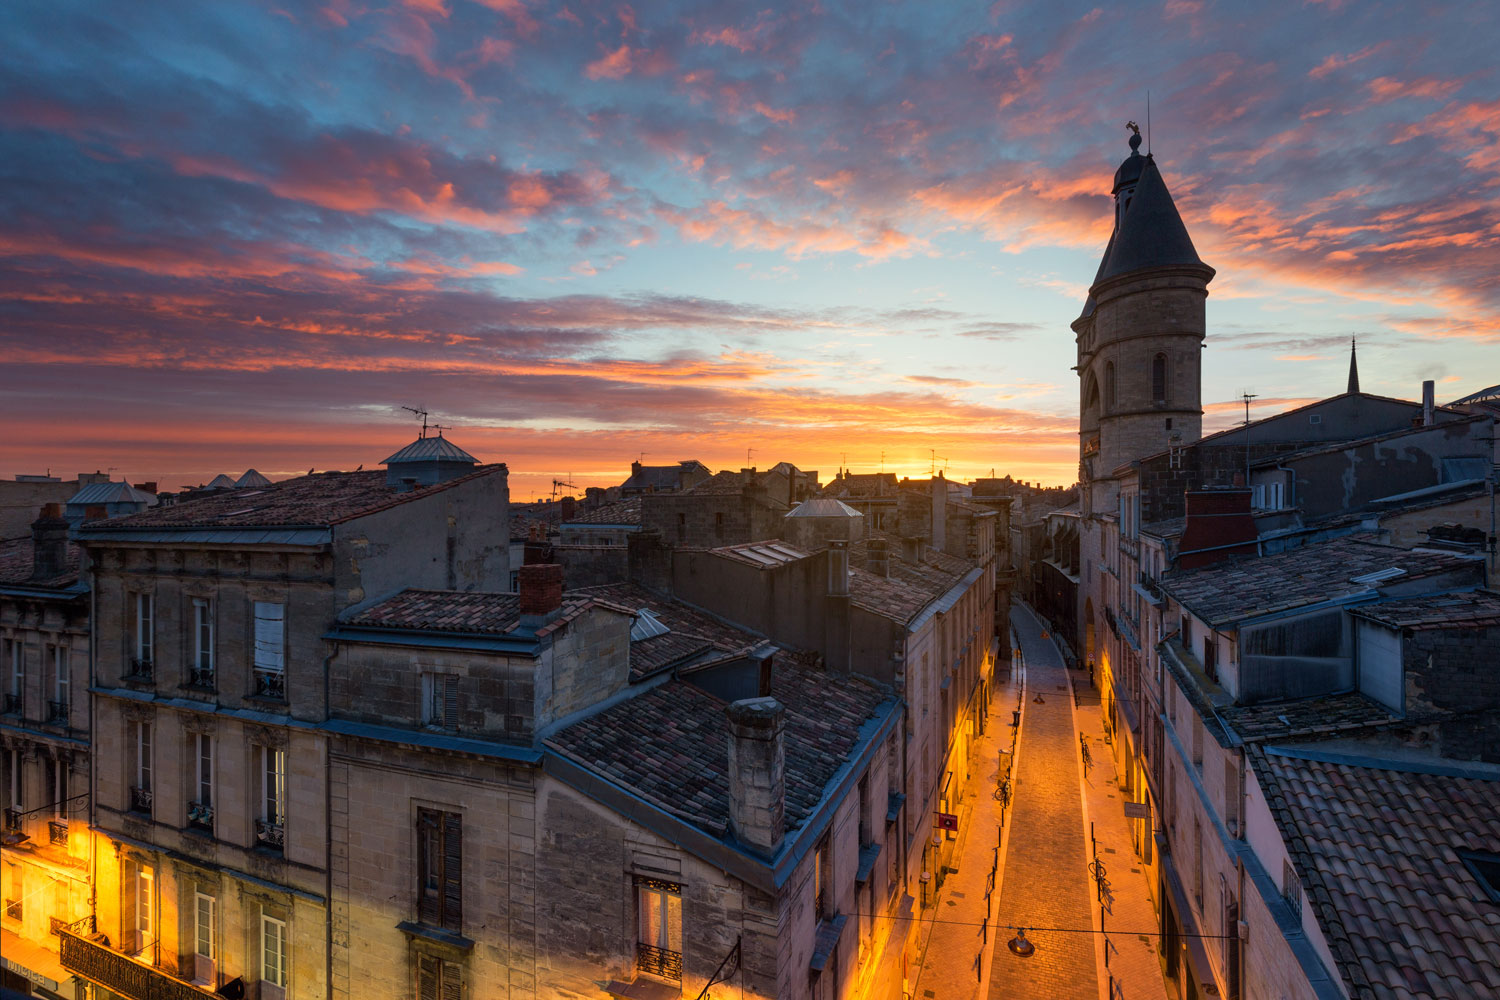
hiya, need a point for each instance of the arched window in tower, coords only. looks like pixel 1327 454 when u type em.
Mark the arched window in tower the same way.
pixel 1109 387
pixel 1159 380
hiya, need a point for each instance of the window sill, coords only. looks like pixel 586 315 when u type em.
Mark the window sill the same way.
pixel 267 699
pixel 427 934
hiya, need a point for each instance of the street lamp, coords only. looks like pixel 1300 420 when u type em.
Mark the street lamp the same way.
pixel 1018 945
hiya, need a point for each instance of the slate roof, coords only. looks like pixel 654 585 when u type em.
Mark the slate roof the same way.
pixel 464 612
pixel 1377 849
pixel 1236 589
pixel 1151 233
pixel 1478 609
pixel 327 498
pixel 106 493
pixel 17 563
pixel 626 511
pixel 670 744
pixel 823 506
pixel 431 449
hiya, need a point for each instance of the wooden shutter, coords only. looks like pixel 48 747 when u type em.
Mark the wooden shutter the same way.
pixel 450 701
pixel 429 971
pixel 453 983
pixel 429 910
pixel 453 871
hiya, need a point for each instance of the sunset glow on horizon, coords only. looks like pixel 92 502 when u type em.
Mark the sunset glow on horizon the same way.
pixel 586 233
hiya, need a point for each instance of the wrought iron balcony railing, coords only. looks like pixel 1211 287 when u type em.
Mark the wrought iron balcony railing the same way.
pixel 268 834
pixel 57 832
pixel 10 704
pixel 141 669
pixel 12 821
pixel 270 684
pixel 202 677
pixel 140 799
pixel 13 909
pixel 658 961
pixel 201 815
pixel 57 711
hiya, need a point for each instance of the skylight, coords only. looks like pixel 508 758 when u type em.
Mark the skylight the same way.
pixel 1485 868
pixel 1379 576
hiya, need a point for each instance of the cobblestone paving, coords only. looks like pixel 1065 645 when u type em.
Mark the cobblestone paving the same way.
pixel 1046 879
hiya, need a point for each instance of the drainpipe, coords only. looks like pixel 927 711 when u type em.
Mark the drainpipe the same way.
pixel 328 832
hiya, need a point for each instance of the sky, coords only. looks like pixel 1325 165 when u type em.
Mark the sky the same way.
pixel 585 233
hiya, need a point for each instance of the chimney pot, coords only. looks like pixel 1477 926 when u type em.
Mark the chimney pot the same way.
pixel 757 773
pixel 1428 404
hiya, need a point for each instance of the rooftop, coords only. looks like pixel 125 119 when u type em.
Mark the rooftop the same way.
pixel 1377 849
pixel 16 565
pixel 659 478
pixel 823 506
pixel 464 612
pixel 1476 609
pixel 909 588
pixel 1280 720
pixel 326 498
pixel 1151 233
pixel 626 511
pixel 431 449
pixel 670 744
pixel 1241 588
pixel 106 493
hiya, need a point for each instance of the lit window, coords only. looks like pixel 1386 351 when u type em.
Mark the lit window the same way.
pixel 658 927
pixel 272 953
pixel 205 934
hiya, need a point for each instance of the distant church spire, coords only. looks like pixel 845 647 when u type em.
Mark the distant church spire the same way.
pixel 1353 369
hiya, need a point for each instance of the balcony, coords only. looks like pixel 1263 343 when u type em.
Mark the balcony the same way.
pixel 140 799
pixel 120 973
pixel 201 677
pixel 142 670
pixel 57 832
pixel 13 909
pixel 270 684
pixel 12 821
pixel 270 835
pixel 57 711
pixel 201 816
pixel 658 961
pixel 11 704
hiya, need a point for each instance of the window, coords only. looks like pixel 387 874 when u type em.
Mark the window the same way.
pixel 1485 868
pixel 16 681
pixel 272 955
pixel 440 700
pixel 13 785
pixel 1159 380
pixel 821 895
pixel 438 980
pixel 205 933
pixel 202 670
pixel 143 632
pixel 15 895
pixel 681 527
pixel 201 810
pixel 1210 657
pixel 440 868
pixel 140 909
pixel 1109 387
pixel 270 823
pixel 140 791
pixel 270 649
pixel 57 788
pixel 658 927
pixel 1291 889
pixel 60 684
pixel 719 524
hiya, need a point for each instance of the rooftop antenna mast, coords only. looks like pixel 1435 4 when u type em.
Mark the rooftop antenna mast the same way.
pixel 421 412
pixel 1247 397
pixel 1148 123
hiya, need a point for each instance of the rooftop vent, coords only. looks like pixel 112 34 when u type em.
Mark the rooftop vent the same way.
pixel 646 626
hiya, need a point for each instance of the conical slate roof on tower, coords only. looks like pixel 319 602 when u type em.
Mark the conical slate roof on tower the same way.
pixel 1151 233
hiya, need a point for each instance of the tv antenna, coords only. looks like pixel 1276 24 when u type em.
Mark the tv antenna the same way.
pixel 421 412
pixel 442 427
pixel 748 453
pixel 558 484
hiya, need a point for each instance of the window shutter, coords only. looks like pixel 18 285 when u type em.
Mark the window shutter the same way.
pixel 429 910
pixel 450 702
pixel 269 632
pixel 428 972
pixel 453 984
pixel 453 870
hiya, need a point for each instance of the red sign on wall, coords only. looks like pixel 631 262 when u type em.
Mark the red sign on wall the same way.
pixel 947 821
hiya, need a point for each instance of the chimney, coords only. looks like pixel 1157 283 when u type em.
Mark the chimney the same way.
pixel 838 568
pixel 49 537
pixel 757 773
pixel 1428 416
pixel 569 508
pixel 635 468
pixel 149 486
pixel 878 556
pixel 541 586
pixel 1218 526
pixel 836 638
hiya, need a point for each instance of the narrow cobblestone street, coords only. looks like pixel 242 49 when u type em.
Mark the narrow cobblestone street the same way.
pixel 1042 879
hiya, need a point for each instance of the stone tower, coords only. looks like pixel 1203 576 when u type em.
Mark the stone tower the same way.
pixel 1141 333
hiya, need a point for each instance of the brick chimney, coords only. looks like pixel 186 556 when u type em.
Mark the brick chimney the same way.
pixel 1428 406
pixel 878 556
pixel 757 773
pixel 49 539
pixel 541 586
pixel 569 508
pixel 1219 525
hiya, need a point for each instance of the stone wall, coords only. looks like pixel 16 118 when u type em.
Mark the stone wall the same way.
pixel 708 520
pixel 592 565
pixel 1452 670
pixel 589 662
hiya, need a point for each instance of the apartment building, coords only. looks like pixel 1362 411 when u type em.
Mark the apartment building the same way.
pixel 210 798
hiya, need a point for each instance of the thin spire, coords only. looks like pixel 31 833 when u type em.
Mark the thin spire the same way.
pixel 1353 369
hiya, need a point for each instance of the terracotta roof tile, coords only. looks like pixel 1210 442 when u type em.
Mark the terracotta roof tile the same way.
pixel 626 511
pixel 670 745
pixel 1477 609
pixel 466 612
pixel 326 498
pixel 1377 850
pixel 17 563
